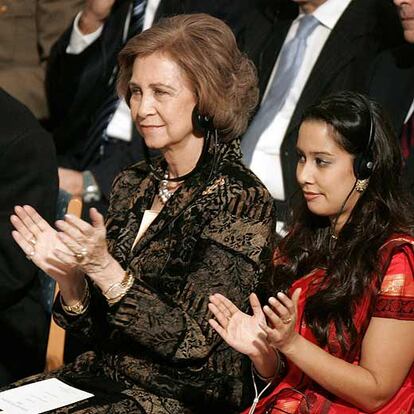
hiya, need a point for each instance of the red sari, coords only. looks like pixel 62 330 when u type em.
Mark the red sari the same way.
pixel 395 300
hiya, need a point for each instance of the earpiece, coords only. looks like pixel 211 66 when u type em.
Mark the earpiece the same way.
pixel 363 162
pixel 202 123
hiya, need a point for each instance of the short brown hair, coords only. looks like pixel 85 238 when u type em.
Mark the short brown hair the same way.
pixel 223 78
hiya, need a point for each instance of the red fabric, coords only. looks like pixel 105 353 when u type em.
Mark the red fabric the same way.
pixel 395 300
pixel 407 137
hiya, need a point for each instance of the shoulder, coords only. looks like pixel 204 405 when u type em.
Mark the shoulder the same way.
pixel 396 295
pixel 18 124
pixel 245 193
pixel 131 175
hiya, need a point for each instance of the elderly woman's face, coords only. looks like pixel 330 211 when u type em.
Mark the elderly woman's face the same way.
pixel 162 102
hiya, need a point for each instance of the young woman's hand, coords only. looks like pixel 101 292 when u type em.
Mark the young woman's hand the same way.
pixel 281 316
pixel 242 332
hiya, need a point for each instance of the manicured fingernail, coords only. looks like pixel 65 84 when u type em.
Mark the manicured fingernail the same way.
pixel 272 300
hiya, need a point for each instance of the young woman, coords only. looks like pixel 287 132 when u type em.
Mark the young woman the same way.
pixel 340 339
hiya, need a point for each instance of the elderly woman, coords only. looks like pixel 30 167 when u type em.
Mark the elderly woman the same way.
pixel 192 223
pixel 341 340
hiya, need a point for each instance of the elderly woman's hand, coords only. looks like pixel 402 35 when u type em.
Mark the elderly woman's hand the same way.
pixel 86 243
pixel 41 244
pixel 281 315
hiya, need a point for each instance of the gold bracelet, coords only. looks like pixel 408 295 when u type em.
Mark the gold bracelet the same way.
pixel 116 291
pixel 80 306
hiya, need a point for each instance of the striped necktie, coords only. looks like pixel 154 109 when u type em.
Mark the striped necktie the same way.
pixel 290 61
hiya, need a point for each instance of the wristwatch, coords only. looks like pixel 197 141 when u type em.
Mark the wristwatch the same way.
pixel 116 291
pixel 91 190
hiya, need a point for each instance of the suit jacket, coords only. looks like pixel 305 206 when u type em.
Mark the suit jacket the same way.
pixel 392 85
pixel 28 29
pixel 28 175
pixel 365 28
pixel 155 347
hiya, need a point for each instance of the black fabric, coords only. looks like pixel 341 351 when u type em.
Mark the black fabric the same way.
pixel 28 175
pixel 391 84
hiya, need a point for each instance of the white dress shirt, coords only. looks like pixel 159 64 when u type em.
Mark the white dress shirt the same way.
pixel 410 112
pixel 266 161
pixel 120 126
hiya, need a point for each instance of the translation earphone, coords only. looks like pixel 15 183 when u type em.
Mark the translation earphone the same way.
pixel 363 162
pixel 202 123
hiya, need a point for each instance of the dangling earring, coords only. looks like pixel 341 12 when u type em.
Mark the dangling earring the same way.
pixel 361 185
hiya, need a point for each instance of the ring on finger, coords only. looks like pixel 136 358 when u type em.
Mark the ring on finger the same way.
pixel 81 254
pixel 287 320
pixel 33 241
pixel 30 255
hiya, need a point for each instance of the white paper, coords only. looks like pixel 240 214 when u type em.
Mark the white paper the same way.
pixel 39 397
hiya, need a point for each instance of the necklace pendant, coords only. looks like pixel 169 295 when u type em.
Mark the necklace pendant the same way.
pixel 163 192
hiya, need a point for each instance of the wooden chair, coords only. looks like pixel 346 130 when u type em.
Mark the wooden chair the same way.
pixel 56 340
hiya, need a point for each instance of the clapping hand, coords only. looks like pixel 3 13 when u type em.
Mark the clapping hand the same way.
pixel 40 242
pixel 281 316
pixel 86 242
pixel 241 331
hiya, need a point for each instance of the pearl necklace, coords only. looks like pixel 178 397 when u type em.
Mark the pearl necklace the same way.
pixel 163 192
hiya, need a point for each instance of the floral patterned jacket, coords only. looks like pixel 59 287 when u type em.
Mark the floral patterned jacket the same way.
pixel 213 235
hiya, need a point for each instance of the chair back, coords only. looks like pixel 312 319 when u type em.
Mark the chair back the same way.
pixel 56 340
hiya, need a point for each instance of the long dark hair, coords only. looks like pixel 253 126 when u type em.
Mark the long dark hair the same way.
pixel 352 265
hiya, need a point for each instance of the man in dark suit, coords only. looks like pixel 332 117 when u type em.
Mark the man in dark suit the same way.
pixel 91 128
pixel 338 51
pixel 28 175
pixel 93 133
pixel 392 85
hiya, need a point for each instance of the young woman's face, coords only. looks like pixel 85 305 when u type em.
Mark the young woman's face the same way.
pixel 161 102
pixel 325 172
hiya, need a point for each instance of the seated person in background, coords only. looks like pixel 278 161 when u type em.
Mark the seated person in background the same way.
pixel 392 85
pixel 189 224
pixel 28 29
pixel 28 175
pixel 341 339
pixel 308 49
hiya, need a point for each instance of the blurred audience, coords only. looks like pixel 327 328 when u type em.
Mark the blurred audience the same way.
pixel 392 85
pixel 303 50
pixel 28 175
pixel 28 30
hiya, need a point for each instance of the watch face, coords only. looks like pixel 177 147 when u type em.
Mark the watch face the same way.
pixel 116 291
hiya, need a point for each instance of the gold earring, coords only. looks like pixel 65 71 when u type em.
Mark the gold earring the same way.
pixel 361 185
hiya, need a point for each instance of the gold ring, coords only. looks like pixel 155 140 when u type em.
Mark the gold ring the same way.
pixel 287 320
pixel 30 255
pixel 81 254
pixel 32 241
